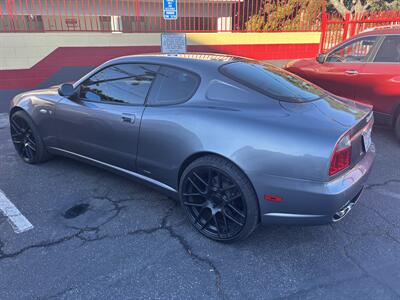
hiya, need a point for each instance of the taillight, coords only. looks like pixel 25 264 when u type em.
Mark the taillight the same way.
pixel 341 157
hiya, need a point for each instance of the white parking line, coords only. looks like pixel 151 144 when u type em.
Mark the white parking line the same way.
pixel 17 220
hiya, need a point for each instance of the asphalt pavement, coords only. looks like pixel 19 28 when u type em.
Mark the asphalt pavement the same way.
pixel 97 235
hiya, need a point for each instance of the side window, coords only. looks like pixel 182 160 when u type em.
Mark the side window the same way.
pixel 356 51
pixel 389 50
pixel 174 86
pixel 120 84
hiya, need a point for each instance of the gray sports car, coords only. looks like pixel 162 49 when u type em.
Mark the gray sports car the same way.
pixel 239 142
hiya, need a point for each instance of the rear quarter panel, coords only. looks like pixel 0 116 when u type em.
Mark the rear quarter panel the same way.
pixel 264 140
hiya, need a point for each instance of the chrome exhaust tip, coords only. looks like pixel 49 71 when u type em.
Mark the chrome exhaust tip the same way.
pixel 347 208
pixel 342 213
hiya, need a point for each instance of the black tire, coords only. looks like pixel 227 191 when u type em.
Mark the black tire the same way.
pixel 219 199
pixel 397 127
pixel 26 139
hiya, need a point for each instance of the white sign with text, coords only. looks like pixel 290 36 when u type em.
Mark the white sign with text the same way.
pixel 173 43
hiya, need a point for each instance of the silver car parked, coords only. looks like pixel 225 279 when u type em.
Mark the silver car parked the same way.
pixel 239 142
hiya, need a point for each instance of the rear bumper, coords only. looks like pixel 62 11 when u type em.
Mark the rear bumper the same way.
pixel 313 203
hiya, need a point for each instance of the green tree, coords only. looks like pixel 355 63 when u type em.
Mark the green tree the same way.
pixel 286 15
pixel 352 7
pixel 275 15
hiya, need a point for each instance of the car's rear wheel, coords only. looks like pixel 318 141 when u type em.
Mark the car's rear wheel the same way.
pixel 219 199
pixel 26 139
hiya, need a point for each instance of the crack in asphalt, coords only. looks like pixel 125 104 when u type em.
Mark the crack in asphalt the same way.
pixel 365 271
pixel 117 208
pixel 186 246
pixel 43 244
pixel 81 234
pixel 393 238
pixel 170 229
pixel 375 185
pixel 347 254
pixel 378 213
pixel 59 294
pixel 374 232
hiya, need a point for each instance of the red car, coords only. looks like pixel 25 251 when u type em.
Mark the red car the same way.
pixel 365 68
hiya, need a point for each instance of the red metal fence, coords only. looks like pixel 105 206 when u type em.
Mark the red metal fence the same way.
pixel 147 15
pixel 335 29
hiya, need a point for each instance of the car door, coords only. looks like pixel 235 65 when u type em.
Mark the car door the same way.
pixel 339 73
pixel 164 141
pixel 380 79
pixel 102 121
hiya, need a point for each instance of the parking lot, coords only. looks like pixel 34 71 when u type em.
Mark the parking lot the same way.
pixel 97 235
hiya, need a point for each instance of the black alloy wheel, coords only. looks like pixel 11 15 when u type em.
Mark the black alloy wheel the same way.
pixel 216 203
pixel 26 140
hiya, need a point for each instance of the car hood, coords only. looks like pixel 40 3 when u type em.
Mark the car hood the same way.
pixel 341 111
pixel 47 91
pixel 50 94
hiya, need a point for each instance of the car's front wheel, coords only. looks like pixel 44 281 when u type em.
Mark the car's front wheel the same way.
pixel 26 139
pixel 219 199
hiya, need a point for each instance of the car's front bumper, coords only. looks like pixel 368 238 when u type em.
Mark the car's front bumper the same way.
pixel 310 202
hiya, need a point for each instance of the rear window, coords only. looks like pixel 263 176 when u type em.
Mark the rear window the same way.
pixel 272 81
pixel 174 86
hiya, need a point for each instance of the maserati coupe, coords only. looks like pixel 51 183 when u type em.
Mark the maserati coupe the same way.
pixel 238 142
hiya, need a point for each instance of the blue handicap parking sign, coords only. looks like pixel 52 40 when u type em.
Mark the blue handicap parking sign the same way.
pixel 170 10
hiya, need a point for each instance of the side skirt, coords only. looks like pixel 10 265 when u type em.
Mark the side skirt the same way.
pixel 130 174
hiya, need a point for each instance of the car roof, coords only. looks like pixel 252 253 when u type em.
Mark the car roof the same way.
pixel 201 63
pixel 380 30
pixel 186 60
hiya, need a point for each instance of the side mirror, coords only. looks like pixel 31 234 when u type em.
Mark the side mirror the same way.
pixel 321 58
pixel 66 90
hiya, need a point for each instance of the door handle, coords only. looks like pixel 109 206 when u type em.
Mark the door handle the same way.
pixel 128 118
pixel 351 72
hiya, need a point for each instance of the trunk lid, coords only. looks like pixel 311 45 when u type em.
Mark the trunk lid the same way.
pixel 351 116
pixel 341 111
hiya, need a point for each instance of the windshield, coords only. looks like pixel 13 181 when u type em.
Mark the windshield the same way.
pixel 272 81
